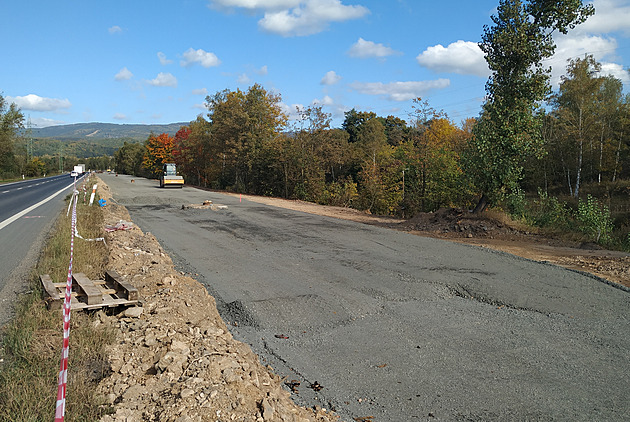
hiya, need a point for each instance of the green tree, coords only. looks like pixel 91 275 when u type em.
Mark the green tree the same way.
pixel 242 122
pixel 35 168
pixel 11 121
pixel 379 179
pixel 396 130
pixel 622 140
pixel 193 153
pixel 611 107
pixel 129 159
pixel 310 149
pixel 508 130
pixel 354 120
pixel 576 109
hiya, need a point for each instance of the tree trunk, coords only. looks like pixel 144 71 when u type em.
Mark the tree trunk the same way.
pixel 601 155
pixel 481 205
pixel 617 160
pixel 286 180
pixel 578 175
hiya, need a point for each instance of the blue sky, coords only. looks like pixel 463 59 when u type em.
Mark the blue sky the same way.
pixel 155 62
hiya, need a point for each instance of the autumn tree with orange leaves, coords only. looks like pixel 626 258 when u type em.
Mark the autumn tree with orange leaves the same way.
pixel 159 150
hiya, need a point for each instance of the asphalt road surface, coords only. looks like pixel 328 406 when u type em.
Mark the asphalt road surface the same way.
pixel 396 326
pixel 24 226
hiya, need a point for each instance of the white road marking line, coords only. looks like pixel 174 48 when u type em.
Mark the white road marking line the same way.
pixel 31 208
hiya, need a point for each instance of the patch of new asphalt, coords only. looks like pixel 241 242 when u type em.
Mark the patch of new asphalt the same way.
pixel 396 326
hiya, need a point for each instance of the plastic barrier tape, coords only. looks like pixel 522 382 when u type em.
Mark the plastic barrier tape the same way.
pixel 60 408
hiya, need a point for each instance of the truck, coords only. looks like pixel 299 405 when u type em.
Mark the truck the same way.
pixel 169 176
pixel 78 170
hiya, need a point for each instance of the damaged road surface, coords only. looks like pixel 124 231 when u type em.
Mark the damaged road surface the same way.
pixel 386 326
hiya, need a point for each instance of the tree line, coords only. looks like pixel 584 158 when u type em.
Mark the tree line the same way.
pixel 387 165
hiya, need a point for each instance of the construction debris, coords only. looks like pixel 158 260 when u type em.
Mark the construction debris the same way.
pixel 206 205
pixel 121 225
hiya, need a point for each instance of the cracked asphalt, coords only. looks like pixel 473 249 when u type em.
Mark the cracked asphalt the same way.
pixel 377 323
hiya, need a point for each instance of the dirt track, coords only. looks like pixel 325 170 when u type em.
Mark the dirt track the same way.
pixel 390 326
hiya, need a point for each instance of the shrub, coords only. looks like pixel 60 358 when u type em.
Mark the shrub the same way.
pixel 549 212
pixel 342 193
pixel 594 219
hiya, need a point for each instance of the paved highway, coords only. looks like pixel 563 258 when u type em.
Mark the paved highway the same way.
pixel 23 227
pixel 395 326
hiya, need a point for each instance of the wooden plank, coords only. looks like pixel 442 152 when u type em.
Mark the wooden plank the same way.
pixel 54 297
pixel 106 291
pixel 121 286
pixel 88 289
pixel 90 294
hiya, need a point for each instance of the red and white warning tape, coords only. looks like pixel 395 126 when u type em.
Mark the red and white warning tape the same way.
pixel 60 409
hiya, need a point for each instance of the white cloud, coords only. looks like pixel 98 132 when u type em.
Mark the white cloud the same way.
pixel 123 75
pixel 616 70
pixel 463 57
pixel 201 91
pixel 610 16
pixel 400 91
pixel 255 4
pixel 163 60
pixel 163 79
pixel 330 78
pixel 573 46
pixel 295 17
pixel 44 122
pixel 120 116
pixel 308 17
pixel 204 58
pixel 326 101
pixel 36 103
pixel 262 71
pixel 115 29
pixel 243 79
pixel 365 49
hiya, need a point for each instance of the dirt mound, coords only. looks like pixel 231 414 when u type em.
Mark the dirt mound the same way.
pixel 458 222
pixel 174 359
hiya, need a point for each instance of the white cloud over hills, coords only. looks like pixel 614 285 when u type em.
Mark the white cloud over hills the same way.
pixel 36 103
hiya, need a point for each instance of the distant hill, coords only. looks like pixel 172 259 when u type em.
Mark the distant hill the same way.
pixel 91 131
pixel 84 140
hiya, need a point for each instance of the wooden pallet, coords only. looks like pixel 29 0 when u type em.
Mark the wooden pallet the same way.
pixel 90 294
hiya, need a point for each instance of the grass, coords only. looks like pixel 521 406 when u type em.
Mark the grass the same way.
pixel 31 343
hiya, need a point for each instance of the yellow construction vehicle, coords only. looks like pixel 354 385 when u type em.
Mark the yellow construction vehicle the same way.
pixel 170 177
